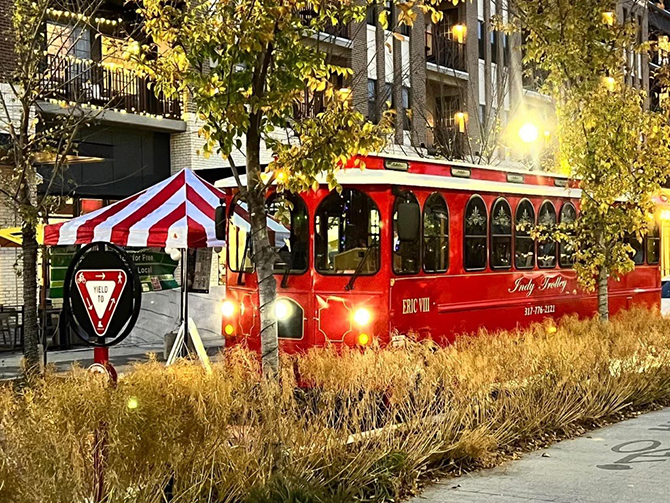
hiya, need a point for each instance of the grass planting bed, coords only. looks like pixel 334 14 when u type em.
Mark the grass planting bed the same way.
pixel 372 426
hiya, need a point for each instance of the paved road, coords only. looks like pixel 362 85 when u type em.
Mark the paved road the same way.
pixel 627 462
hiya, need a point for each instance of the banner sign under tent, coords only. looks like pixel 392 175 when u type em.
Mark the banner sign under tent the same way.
pixel 155 267
pixel 177 213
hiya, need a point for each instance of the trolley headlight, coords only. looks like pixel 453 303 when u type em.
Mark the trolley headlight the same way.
pixel 362 316
pixel 283 309
pixel 227 309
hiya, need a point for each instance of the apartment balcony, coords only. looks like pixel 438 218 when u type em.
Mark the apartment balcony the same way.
pixel 339 30
pixel 445 52
pixel 449 141
pixel 110 87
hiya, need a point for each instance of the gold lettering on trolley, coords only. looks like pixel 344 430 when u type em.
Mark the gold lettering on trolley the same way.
pixel 414 306
pixel 547 283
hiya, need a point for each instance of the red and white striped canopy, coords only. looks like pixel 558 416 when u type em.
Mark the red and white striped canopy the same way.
pixel 177 213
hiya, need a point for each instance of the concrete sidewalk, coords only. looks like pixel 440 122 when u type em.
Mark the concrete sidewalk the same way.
pixel 626 462
pixel 122 357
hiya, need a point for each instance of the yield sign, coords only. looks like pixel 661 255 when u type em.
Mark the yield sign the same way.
pixel 100 290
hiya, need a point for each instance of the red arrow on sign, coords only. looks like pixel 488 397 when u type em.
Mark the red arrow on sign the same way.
pixel 100 291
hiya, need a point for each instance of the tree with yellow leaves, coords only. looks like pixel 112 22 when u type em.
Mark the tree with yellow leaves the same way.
pixel 247 64
pixel 617 151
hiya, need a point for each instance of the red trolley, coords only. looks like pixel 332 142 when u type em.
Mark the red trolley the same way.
pixel 415 246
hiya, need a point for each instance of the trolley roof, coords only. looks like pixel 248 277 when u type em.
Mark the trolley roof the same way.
pixel 439 174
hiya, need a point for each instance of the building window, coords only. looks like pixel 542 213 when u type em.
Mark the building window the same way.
pixel 372 15
pixel 501 235
pixel 505 48
pixel 388 97
pixel 494 46
pixel 435 234
pixel 566 249
pixel 347 234
pixel 637 255
pixel 653 244
pixel 481 32
pixel 475 227
pixel 524 253
pixel 65 40
pixel 391 12
pixel 546 250
pixel 446 108
pixel 406 254
pixel 372 100
pixel 407 109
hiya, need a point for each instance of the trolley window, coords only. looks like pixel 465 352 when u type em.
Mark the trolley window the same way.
pixel 406 254
pixel 637 255
pixel 653 244
pixel 566 249
pixel 475 238
pixel 239 238
pixel 524 256
pixel 347 234
pixel 546 250
pixel 501 235
pixel 435 234
pixel 288 232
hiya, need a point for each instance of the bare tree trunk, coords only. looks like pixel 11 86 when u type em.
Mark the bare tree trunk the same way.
pixel 29 249
pixel 603 301
pixel 263 254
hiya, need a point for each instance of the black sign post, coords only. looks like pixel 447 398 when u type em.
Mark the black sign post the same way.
pixel 102 297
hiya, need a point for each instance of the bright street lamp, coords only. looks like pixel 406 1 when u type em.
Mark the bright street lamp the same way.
pixel 528 133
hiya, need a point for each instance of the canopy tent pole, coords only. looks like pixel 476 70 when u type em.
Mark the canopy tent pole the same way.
pixel 184 299
pixel 187 329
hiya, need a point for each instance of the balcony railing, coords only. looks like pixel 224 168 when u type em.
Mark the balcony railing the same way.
pixel 445 52
pixel 309 107
pixel 107 86
pixel 448 141
pixel 534 78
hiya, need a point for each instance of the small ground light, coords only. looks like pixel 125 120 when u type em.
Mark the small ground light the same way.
pixel 363 339
pixel 132 403
pixel 551 330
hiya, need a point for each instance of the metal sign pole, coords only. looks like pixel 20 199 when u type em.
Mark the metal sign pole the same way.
pixel 186 334
pixel 101 355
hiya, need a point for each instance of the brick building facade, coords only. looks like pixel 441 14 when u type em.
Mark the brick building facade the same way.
pixel 458 87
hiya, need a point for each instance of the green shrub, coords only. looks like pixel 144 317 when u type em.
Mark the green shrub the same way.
pixel 373 423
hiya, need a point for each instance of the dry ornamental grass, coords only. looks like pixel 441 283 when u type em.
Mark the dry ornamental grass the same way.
pixel 371 426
